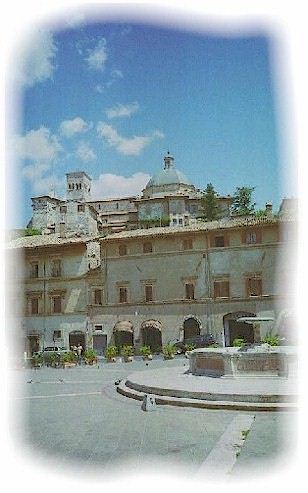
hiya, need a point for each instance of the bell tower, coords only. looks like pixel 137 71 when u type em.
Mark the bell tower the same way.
pixel 78 186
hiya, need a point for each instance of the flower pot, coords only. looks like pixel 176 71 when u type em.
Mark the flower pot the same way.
pixel 111 360
pixel 128 359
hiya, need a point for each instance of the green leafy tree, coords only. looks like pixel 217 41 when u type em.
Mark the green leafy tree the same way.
pixel 261 213
pixel 209 204
pixel 242 201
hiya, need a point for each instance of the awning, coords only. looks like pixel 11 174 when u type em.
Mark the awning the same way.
pixel 123 325
pixel 151 324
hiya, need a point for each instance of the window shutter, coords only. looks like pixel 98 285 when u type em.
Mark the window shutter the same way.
pixel 244 232
pixel 259 235
pixel 216 290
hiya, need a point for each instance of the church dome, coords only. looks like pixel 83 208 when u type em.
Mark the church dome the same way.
pixel 169 175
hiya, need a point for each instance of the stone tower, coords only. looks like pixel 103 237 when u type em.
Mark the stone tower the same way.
pixel 78 186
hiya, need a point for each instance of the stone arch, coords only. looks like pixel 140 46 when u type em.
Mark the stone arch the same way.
pixel 123 332
pixel 191 327
pixel 235 330
pixel 151 334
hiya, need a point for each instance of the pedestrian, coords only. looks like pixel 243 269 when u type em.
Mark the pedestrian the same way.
pixel 79 351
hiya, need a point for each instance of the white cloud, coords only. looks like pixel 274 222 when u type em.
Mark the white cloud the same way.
pixel 40 150
pixel 129 146
pixel 109 185
pixel 76 19
pixel 37 146
pixel 116 74
pixel 121 110
pixel 36 61
pixel 97 56
pixel 68 128
pixel 85 153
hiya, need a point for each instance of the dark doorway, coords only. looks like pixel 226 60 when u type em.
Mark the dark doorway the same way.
pixel 151 336
pixel 238 330
pixel 33 344
pixel 100 343
pixel 123 338
pixel 191 328
pixel 76 338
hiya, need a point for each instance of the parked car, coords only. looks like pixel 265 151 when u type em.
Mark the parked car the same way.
pixel 53 349
pixel 204 340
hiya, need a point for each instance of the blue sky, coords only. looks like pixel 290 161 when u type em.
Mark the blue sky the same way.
pixel 111 99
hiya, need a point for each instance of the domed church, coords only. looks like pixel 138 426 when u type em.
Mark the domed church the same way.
pixel 168 199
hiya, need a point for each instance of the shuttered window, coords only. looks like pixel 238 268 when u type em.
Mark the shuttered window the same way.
pixel 148 292
pixel 221 288
pixel 190 291
pixel 123 295
pixel 254 286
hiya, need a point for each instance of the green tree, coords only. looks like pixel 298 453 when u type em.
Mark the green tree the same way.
pixel 242 201
pixel 209 204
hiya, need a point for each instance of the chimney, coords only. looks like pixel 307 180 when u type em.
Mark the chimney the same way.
pixel 269 209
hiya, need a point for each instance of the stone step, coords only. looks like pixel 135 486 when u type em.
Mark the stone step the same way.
pixel 132 393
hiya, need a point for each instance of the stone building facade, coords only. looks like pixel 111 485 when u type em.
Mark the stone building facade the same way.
pixel 102 274
pixel 152 286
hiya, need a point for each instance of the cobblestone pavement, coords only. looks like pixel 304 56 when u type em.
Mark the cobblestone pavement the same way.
pixel 74 418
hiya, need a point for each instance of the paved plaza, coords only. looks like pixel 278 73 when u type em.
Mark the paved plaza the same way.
pixel 75 418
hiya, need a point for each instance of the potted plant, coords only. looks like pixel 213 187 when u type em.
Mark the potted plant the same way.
pixel 52 359
pixel 90 356
pixel 111 353
pixel 128 353
pixel 69 359
pixel 37 360
pixel 189 348
pixel 169 351
pixel 146 353
pixel 271 339
pixel 238 342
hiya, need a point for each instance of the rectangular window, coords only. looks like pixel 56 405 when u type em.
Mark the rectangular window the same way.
pixel 63 208
pixel 219 241
pixel 221 288
pixel 123 295
pixel 147 247
pixel 251 237
pixel 122 250
pixel 148 292
pixel 187 244
pixel 98 298
pixel 80 208
pixel 56 268
pixel 34 306
pixel 56 304
pixel 98 327
pixel 254 286
pixel 34 270
pixel 190 291
pixel 57 334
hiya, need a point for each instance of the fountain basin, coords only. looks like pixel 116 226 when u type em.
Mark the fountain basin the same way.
pixel 260 361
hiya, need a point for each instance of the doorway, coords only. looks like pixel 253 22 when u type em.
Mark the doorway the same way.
pixel 191 328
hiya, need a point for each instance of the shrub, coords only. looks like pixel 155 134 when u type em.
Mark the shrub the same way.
pixel 51 359
pixel 239 342
pixel 69 357
pixel 145 350
pixel 190 347
pixel 169 350
pixel 111 352
pixel 271 339
pixel 90 355
pixel 127 351
pixel 37 360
